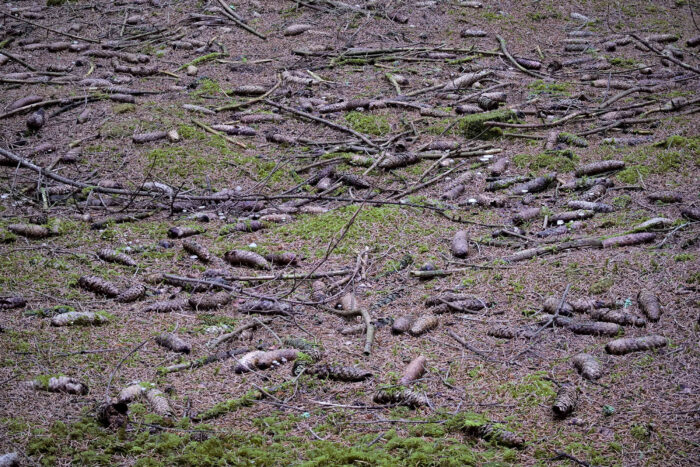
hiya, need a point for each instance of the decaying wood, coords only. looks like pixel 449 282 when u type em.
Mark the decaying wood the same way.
pixel 588 366
pixel 628 240
pixel 247 259
pixel 159 403
pixel 635 344
pixel 173 342
pixel 595 168
pixel 414 370
pixel 78 318
pixel 113 256
pixel 338 373
pixel 566 400
pixel 649 304
pixel 167 306
pixel 260 360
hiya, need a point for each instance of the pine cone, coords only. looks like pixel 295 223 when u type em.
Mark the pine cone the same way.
pixel 113 256
pixel 132 294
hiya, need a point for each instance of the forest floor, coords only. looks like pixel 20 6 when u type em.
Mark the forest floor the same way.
pixel 555 144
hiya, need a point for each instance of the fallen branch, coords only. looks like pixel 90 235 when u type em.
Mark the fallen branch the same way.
pixel 237 19
pixel 321 120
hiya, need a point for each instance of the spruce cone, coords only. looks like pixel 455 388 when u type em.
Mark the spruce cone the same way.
pixel 130 393
pixel 113 256
pixel 338 373
pixel 269 307
pixel 181 232
pixel 502 332
pixel 29 230
pixel 166 306
pixel 494 433
pixel 173 342
pixel 402 324
pixel 566 401
pixel 423 324
pixel 133 293
pixel 246 258
pixel 594 328
pixel 618 317
pixel 587 366
pixel 405 397
pixel 649 303
pixel 98 285
pixel 210 301
pixel 635 344
pixel 159 403
pixel 194 248
pixel 7 303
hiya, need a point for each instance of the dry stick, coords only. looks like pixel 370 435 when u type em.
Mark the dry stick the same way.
pixel 251 325
pixel 271 277
pixel 121 362
pixel 429 182
pixel 517 65
pixel 209 129
pixel 449 272
pixel 321 120
pixel 52 30
pixel 17 59
pixel 537 126
pixel 619 96
pixel 369 337
pixel 669 56
pixel 544 326
pixel 236 19
pixel 251 101
pixel 464 344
